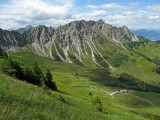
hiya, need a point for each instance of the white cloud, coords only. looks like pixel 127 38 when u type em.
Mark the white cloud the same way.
pixel 127 15
pixel 19 13
pixel 154 17
pixel 134 5
pixel 113 6
pixel 133 19
pixel 138 19
pixel 23 12
pixel 154 7
pixel 91 15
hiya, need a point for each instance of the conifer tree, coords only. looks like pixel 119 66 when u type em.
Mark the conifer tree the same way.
pixel 49 81
pixel 38 75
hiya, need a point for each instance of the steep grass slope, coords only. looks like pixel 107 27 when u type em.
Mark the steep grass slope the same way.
pixel 20 100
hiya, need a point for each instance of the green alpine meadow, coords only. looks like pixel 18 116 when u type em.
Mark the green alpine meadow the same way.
pixel 79 60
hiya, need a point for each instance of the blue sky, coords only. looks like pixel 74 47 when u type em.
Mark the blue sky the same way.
pixel 136 14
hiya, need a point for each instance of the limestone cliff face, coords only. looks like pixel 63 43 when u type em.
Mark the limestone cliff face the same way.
pixel 79 32
pixel 76 32
pixel 121 34
pixel 40 34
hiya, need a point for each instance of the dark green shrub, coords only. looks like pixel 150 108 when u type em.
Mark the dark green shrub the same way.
pixel 49 82
pixel 90 94
pixel 61 99
pixel 98 104
pixel 3 53
pixel 13 68
pixel 158 69
pixel 32 75
pixel 99 108
pixel 38 76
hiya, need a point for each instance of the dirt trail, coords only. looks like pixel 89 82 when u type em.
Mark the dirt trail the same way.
pixel 104 91
pixel 144 100
pixel 93 88
pixel 120 92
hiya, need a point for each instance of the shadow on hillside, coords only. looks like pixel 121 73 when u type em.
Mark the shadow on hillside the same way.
pixel 123 81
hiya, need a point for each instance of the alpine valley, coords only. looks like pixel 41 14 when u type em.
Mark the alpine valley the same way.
pixel 101 72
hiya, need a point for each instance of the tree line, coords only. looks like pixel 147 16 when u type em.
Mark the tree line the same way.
pixel 129 82
pixel 32 74
pixel 3 54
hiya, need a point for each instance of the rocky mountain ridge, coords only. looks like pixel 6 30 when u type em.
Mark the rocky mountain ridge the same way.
pixel 84 29
pixel 77 41
pixel 10 39
pixel 26 30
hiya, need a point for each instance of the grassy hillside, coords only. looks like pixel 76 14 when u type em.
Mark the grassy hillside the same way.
pixel 19 98
pixel 141 68
pixel 149 49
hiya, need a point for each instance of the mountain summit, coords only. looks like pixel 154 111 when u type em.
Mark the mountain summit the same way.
pixel 26 30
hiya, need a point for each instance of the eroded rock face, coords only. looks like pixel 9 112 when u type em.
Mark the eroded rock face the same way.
pixel 76 32
pixel 40 34
pixel 121 34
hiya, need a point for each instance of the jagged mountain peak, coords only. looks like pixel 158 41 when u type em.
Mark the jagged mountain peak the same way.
pixel 124 27
pixel 41 27
pixel 29 26
pixel 26 30
pixel 40 34
pixel 76 31
pixel 77 25
pixel 117 34
pixel 9 39
pixel 100 22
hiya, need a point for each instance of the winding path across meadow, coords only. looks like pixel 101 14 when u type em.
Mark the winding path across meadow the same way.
pixel 143 100
pixel 116 92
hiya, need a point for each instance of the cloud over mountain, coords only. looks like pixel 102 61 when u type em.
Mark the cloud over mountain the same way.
pixel 19 13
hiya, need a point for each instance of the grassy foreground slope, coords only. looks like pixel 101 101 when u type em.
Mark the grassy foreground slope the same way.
pixel 20 100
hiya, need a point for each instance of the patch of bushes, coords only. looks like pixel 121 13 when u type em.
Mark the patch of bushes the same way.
pixel 117 59
pixel 158 69
pixel 131 45
pixel 62 99
pixel 101 61
pixel 98 74
pixel 90 94
pixel 98 104
pixel 32 74
pixel 129 82
pixel 3 54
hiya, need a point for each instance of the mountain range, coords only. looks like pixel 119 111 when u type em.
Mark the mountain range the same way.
pixel 73 42
pixel 151 34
